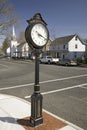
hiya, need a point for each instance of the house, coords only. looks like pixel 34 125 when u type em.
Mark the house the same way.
pixel 46 48
pixel 23 50
pixel 68 47
pixel 85 41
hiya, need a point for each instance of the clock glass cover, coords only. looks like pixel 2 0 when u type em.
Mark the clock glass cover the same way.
pixel 39 34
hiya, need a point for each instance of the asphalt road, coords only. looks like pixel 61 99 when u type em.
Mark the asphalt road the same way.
pixel 64 89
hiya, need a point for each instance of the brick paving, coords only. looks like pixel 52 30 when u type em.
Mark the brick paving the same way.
pixel 49 123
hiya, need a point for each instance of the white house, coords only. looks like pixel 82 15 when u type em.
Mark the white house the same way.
pixel 23 50
pixel 68 47
pixel 46 49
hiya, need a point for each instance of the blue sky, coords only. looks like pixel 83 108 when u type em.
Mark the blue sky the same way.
pixel 64 17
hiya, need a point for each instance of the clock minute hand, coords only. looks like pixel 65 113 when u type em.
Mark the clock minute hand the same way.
pixel 41 35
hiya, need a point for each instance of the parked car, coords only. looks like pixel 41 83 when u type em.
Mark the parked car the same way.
pixel 49 60
pixel 67 62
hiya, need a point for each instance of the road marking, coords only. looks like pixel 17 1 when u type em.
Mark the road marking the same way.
pixel 72 77
pixel 83 87
pixel 59 90
pixel 26 97
pixel 3 65
pixel 17 86
pixel 42 82
pixel 63 89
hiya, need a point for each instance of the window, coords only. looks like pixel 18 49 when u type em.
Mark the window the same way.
pixel 75 55
pixel 76 46
pixel 63 46
pixel 63 56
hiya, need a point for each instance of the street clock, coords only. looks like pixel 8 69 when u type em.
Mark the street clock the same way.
pixel 37 35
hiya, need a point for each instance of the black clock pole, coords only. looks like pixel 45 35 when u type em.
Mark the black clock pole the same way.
pixel 36 98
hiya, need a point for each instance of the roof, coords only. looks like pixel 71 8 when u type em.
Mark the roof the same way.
pixel 21 44
pixel 62 40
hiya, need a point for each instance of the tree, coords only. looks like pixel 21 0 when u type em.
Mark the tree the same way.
pixel 5 45
pixel 21 37
pixel 7 16
pixel 53 34
pixel 1 51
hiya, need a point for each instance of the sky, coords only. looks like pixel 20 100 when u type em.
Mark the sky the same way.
pixel 64 17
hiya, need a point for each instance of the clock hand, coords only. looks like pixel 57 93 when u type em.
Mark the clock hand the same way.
pixel 41 35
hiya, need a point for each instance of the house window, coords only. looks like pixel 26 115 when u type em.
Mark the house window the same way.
pixel 76 46
pixel 75 55
pixel 63 56
pixel 63 46
pixel 57 54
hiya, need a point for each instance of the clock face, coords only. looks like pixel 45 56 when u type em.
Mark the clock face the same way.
pixel 39 35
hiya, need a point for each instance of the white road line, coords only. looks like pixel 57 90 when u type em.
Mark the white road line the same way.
pixel 17 86
pixel 83 87
pixel 47 81
pixel 63 89
pixel 26 97
pixel 59 90
pixel 3 65
pixel 72 77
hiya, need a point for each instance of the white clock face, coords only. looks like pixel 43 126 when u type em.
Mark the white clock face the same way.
pixel 39 34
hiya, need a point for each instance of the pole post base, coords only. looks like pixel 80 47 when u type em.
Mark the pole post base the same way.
pixel 36 122
pixel 36 110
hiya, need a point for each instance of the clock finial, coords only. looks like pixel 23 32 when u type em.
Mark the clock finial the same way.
pixel 37 18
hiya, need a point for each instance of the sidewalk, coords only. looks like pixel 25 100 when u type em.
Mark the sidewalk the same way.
pixel 15 113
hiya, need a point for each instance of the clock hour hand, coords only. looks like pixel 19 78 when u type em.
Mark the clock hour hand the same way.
pixel 41 35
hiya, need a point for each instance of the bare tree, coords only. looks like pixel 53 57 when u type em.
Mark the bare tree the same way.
pixel 7 16
pixel 53 34
pixel 21 37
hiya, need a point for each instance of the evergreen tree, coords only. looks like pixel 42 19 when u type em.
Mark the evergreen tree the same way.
pixel 5 45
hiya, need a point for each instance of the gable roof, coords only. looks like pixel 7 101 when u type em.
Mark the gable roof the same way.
pixel 21 44
pixel 62 40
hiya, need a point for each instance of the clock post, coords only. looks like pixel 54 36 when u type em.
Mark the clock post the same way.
pixel 37 36
pixel 36 98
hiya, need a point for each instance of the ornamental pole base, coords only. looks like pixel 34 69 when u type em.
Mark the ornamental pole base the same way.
pixel 36 122
pixel 36 110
